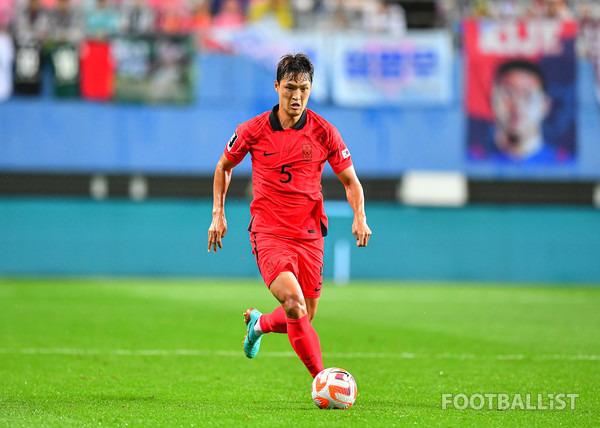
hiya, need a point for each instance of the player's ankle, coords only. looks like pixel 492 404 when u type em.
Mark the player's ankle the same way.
pixel 257 330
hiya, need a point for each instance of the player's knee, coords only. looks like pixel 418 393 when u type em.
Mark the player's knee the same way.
pixel 294 306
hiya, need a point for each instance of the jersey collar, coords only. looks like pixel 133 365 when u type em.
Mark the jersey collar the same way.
pixel 276 125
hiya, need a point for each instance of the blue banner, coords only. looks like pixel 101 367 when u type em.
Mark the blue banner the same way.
pixel 380 71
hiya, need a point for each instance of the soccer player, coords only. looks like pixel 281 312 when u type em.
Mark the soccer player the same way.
pixel 289 146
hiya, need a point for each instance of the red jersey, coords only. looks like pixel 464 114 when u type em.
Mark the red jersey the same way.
pixel 287 165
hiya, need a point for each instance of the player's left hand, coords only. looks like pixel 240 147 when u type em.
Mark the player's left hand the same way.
pixel 361 231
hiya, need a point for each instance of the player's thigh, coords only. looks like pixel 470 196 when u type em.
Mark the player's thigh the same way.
pixel 285 287
pixel 310 268
pixel 274 255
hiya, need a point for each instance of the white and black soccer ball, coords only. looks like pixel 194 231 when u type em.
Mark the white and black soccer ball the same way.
pixel 334 388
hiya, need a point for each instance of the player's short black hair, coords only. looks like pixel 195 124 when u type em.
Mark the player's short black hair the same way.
pixel 520 65
pixel 294 66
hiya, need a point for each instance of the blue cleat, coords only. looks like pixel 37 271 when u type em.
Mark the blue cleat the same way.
pixel 251 341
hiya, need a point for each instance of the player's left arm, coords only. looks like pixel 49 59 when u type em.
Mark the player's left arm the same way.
pixel 356 198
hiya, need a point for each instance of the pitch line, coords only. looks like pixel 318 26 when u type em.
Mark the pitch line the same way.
pixel 290 354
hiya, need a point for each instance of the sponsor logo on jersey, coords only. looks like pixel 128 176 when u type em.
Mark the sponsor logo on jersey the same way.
pixel 231 141
pixel 306 151
pixel 345 153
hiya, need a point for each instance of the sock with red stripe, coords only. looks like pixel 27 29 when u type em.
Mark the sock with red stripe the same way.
pixel 305 341
pixel 275 322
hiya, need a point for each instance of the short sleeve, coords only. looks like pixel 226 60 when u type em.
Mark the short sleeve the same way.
pixel 237 147
pixel 339 155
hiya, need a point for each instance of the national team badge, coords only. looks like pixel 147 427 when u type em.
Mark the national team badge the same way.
pixel 345 153
pixel 307 151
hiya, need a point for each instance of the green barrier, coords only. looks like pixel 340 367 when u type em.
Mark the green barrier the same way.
pixel 169 237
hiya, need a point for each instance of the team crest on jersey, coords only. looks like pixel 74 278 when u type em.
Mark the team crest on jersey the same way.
pixel 345 153
pixel 307 151
pixel 231 141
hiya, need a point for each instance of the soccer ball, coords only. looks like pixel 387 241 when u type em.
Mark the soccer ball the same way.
pixel 334 388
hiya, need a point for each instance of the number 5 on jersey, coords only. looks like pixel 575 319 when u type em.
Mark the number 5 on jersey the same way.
pixel 287 174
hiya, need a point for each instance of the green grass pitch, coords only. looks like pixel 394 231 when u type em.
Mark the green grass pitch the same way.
pixel 120 352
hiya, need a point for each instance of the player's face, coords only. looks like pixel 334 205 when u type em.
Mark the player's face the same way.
pixel 293 95
pixel 520 104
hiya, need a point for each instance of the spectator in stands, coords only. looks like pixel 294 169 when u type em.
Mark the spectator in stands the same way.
pixel 65 23
pixel 304 13
pixel 175 17
pixel 340 14
pixel 507 9
pixel 6 13
pixel 275 10
pixel 230 15
pixel 590 39
pixel 380 17
pixel 31 22
pixel 202 15
pixel 101 19
pixel 217 5
pixel 202 21
pixel 136 17
pixel 481 9
pixel 557 9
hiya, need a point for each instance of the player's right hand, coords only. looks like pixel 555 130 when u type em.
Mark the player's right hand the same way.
pixel 216 232
pixel 361 231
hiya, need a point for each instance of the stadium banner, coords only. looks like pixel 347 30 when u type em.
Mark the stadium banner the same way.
pixel 96 67
pixel 265 45
pixel 153 69
pixel 65 66
pixel 27 78
pixel 171 77
pixel 387 71
pixel 520 91
pixel 7 55
pixel 133 62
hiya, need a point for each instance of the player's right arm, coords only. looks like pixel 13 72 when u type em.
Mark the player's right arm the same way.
pixel 218 227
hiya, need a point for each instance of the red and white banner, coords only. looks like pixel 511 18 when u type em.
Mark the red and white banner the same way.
pixel 520 91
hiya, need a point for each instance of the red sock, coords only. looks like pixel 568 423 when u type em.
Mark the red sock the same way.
pixel 305 341
pixel 275 322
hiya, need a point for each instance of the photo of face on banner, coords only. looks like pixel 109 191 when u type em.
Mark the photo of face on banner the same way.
pixel 520 94
pixel 520 104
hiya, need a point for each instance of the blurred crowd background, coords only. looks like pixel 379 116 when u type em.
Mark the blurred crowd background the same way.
pixel 31 30
pixel 74 20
